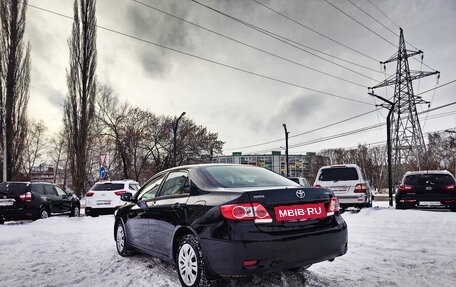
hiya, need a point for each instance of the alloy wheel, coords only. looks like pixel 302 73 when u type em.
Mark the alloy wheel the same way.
pixel 188 264
pixel 120 238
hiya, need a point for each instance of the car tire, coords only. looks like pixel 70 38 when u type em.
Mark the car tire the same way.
pixel 75 211
pixel 191 266
pixel 453 208
pixel 2 220
pixel 44 213
pixel 400 206
pixel 123 247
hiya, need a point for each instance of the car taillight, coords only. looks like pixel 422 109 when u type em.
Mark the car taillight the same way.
pixel 450 187
pixel 119 192
pixel 333 206
pixel 246 211
pixel 26 197
pixel 317 185
pixel 89 194
pixel 405 187
pixel 360 188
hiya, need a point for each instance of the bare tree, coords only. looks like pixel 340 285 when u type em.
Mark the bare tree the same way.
pixel 57 152
pixel 81 81
pixel 36 146
pixel 14 83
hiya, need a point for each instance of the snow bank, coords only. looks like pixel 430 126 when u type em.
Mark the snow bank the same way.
pixel 387 247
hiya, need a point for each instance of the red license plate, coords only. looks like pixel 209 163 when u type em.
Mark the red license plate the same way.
pixel 300 212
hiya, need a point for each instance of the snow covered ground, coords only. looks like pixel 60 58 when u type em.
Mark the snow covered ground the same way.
pixel 387 247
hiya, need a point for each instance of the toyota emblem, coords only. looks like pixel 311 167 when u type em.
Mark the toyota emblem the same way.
pixel 300 193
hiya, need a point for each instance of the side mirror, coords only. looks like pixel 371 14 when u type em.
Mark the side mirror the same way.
pixel 127 196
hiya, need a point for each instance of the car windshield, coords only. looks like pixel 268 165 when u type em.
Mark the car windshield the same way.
pixel 337 174
pixel 232 176
pixel 422 179
pixel 108 186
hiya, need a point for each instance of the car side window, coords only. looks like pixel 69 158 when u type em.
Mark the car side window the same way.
pixel 150 189
pixel 60 192
pixel 38 188
pixel 49 190
pixel 175 183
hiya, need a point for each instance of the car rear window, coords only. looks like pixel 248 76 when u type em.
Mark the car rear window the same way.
pixel 245 176
pixel 108 186
pixel 340 173
pixel 13 188
pixel 417 179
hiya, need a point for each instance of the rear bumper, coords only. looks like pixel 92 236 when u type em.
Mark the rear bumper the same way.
pixel 275 252
pixel 18 214
pixel 356 199
pixel 418 200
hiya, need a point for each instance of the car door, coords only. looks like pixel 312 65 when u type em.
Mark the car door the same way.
pixel 66 199
pixel 52 198
pixel 167 211
pixel 137 223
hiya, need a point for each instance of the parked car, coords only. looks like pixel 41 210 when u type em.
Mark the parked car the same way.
pixel 348 183
pixel 216 220
pixel 104 196
pixel 427 189
pixel 300 180
pixel 35 200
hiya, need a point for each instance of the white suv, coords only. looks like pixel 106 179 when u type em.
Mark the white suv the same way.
pixel 104 196
pixel 348 183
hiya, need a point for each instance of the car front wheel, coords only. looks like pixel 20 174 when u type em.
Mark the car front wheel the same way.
pixel 76 212
pixel 123 247
pixel 190 263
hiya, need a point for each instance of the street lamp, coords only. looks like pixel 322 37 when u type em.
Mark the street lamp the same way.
pixel 390 107
pixel 174 137
pixel 286 150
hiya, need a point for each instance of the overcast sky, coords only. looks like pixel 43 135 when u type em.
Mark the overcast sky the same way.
pixel 309 68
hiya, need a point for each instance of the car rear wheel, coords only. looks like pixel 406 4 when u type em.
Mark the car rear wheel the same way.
pixel 190 263
pixel 123 247
pixel 453 208
pixel 44 213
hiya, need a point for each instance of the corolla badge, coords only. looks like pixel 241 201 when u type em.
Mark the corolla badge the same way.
pixel 300 193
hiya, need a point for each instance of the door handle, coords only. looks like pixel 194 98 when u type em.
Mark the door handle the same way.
pixel 178 205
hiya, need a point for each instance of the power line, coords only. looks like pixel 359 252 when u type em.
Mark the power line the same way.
pixel 346 120
pixel 370 16
pixel 208 60
pixel 279 38
pixel 386 26
pixel 253 47
pixel 320 34
pixel 372 31
pixel 306 132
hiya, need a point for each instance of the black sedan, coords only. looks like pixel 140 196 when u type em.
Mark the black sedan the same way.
pixel 219 220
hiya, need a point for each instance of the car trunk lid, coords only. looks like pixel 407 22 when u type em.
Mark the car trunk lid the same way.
pixel 293 208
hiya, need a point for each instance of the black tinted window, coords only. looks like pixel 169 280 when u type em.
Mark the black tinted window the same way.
pixel 49 190
pixel 422 179
pixel 336 174
pixel 108 186
pixel 38 188
pixel 245 176
pixel 13 188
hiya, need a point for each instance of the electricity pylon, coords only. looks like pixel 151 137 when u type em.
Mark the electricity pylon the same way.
pixel 406 137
